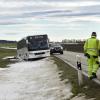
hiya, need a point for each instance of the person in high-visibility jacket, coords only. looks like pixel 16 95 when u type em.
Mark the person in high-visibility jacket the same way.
pixel 91 50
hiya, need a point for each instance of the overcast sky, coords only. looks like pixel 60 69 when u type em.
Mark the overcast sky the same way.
pixel 60 19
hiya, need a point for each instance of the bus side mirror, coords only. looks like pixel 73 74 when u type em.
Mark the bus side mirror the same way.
pixel 27 42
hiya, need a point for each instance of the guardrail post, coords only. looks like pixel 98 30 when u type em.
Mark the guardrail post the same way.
pixel 79 70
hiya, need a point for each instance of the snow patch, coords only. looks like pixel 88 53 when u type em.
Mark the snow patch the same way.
pixel 8 48
pixel 33 80
pixel 8 57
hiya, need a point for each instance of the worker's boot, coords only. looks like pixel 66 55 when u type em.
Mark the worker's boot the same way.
pixel 91 77
pixel 94 75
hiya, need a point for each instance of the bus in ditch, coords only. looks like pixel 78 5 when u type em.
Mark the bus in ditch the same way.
pixel 30 47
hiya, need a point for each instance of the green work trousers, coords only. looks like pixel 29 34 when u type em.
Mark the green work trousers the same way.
pixel 92 65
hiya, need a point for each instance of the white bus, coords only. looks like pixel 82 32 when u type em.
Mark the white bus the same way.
pixel 30 47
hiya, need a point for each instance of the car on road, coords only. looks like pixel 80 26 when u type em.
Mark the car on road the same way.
pixel 56 49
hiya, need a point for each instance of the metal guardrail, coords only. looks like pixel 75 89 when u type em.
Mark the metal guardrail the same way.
pixel 84 73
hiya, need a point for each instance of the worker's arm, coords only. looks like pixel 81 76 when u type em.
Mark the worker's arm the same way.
pixel 99 47
pixel 85 47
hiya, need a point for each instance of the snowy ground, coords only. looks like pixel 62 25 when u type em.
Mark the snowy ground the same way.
pixel 33 80
pixel 8 48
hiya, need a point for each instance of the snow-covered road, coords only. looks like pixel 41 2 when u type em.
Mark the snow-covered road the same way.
pixel 33 80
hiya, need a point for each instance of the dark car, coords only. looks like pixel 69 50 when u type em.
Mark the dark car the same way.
pixel 56 49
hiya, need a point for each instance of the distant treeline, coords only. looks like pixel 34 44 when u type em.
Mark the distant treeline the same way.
pixel 73 41
pixel 75 47
pixel 6 41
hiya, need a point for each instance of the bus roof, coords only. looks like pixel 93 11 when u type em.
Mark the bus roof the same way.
pixel 33 36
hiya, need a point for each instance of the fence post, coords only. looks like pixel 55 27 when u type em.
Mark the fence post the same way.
pixel 79 70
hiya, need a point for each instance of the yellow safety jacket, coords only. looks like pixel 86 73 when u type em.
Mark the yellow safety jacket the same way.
pixel 92 46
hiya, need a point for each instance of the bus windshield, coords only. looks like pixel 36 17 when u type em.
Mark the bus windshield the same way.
pixel 38 43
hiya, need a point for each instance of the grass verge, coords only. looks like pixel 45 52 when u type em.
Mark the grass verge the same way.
pixel 11 45
pixel 4 53
pixel 89 88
